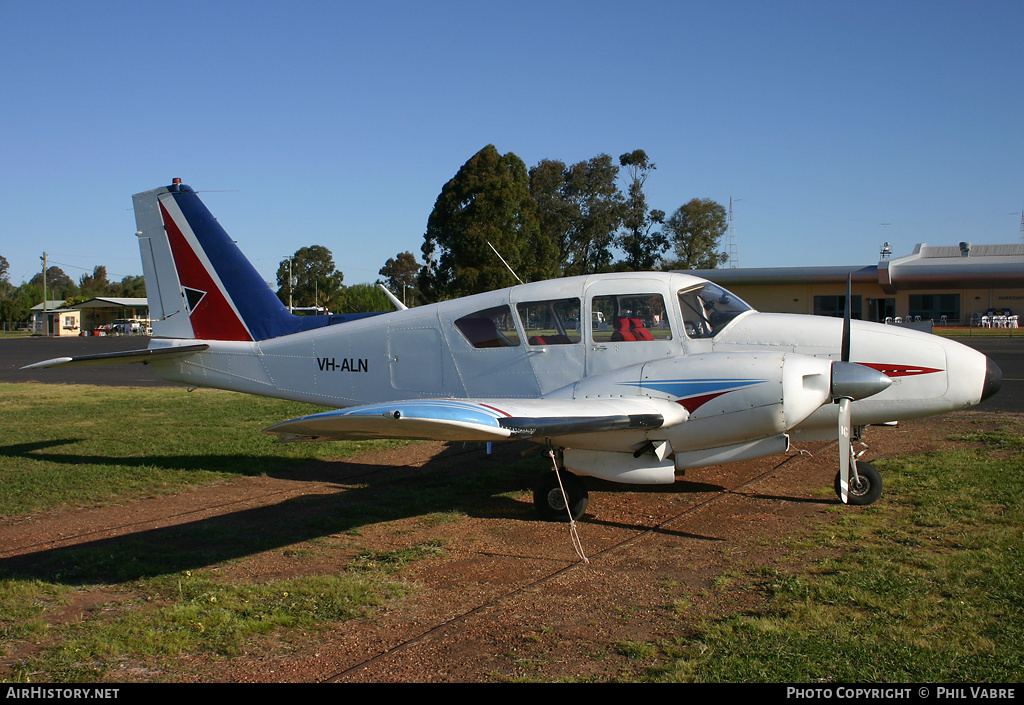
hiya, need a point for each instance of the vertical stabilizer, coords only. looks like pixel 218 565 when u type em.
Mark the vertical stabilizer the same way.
pixel 199 283
pixel 166 305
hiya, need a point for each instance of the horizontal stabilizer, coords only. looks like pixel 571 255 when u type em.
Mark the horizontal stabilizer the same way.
pixel 118 358
pixel 480 420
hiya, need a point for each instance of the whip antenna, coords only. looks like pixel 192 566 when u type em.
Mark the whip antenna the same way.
pixel 505 263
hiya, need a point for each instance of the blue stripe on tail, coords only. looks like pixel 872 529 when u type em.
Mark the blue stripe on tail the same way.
pixel 262 311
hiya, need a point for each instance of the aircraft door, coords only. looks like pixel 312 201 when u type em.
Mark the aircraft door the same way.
pixel 554 340
pixel 630 323
pixel 415 359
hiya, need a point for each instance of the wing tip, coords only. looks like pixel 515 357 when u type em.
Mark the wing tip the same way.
pixel 54 362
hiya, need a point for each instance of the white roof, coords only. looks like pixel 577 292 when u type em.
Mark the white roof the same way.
pixel 926 268
pixel 110 302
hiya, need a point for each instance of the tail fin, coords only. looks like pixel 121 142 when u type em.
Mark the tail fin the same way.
pixel 198 282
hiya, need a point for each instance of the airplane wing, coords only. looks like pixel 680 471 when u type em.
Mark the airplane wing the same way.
pixel 481 419
pixel 117 358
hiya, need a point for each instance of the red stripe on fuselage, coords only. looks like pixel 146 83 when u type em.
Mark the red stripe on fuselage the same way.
pixel 891 370
pixel 691 404
pixel 496 409
pixel 213 318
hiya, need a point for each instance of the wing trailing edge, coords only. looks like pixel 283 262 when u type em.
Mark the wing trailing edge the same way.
pixel 480 420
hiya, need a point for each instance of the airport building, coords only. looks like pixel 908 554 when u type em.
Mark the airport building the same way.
pixel 958 285
pixel 97 316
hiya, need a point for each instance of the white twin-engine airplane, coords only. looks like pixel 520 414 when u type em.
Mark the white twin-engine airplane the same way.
pixel 628 377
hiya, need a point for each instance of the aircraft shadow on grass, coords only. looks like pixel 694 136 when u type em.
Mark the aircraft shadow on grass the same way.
pixel 455 480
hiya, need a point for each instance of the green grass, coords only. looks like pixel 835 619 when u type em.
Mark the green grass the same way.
pixel 81 445
pixel 926 586
pixel 199 613
pixel 157 595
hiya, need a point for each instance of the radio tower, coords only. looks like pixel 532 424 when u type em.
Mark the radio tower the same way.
pixel 734 257
pixel 1022 227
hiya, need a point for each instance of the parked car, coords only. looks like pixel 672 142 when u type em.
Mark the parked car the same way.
pixel 127 326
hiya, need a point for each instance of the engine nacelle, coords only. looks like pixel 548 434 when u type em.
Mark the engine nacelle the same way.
pixel 737 397
pixel 621 467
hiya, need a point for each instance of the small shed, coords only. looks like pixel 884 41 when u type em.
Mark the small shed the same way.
pixel 57 321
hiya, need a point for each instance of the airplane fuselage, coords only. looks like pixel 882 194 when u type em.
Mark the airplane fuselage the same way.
pixel 561 339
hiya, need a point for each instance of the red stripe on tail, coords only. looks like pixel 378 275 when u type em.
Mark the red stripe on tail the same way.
pixel 213 317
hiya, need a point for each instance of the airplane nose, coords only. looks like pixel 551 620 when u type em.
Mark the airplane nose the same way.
pixel 993 379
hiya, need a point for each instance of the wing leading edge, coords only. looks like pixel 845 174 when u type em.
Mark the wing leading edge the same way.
pixel 481 420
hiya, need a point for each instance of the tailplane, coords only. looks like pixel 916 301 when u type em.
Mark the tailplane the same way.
pixel 198 282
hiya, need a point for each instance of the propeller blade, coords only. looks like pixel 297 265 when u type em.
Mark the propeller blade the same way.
pixel 849 382
pixel 844 449
pixel 847 315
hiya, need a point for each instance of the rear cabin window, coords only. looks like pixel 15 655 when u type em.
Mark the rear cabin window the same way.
pixel 550 322
pixel 629 318
pixel 490 328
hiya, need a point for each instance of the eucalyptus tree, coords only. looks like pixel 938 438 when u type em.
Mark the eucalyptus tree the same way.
pixel 695 232
pixel 484 211
pixel 315 281
pixel 579 207
pixel 401 273
pixel 642 245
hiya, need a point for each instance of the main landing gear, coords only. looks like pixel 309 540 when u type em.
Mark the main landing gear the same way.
pixel 552 504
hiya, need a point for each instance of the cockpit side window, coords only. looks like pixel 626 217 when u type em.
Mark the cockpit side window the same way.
pixel 490 328
pixel 555 322
pixel 707 309
pixel 629 318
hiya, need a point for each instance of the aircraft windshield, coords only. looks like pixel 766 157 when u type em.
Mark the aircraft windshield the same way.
pixel 708 308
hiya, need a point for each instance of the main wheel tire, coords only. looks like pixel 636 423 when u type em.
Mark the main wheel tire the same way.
pixel 866 488
pixel 547 495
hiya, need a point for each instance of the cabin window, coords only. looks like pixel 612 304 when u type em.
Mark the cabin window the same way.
pixel 550 322
pixel 707 309
pixel 629 318
pixel 490 328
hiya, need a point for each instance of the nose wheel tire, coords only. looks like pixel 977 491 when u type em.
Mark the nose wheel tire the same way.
pixel 547 496
pixel 866 488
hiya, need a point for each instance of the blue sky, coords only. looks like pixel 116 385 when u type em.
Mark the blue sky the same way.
pixel 834 126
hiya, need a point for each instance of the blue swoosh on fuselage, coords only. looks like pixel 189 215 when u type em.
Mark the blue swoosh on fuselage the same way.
pixel 684 388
